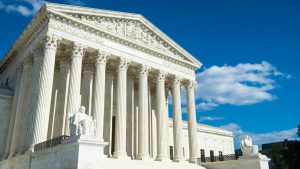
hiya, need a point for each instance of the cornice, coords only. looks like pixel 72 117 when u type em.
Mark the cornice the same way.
pixel 93 12
pixel 46 13
pixel 99 34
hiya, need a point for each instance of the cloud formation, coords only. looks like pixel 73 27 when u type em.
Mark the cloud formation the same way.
pixel 30 7
pixel 243 84
pixel 24 7
pixel 210 118
pixel 260 138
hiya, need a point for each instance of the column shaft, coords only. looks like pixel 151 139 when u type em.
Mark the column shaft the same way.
pixel 87 91
pixel 61 108
pixel 99 93
pixel 162 123
pixel 192 122
pixel 177 121
pixel 21 113
pixel 143 151
pixel 108 107
pixel 120 126
pixel 130 117
pixel 13 113
pixel 39 108
pixel 53 107
pixel 73 103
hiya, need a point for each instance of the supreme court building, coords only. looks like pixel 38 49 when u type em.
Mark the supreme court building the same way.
pixel 122 69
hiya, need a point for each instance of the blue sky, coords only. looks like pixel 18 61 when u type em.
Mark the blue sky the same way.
pixel 250 50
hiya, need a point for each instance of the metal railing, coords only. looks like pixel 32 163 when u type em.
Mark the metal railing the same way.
pixel 217 158
pixel 50 143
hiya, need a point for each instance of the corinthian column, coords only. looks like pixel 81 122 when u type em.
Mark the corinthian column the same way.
pixel 73 103
pixel 143 150
pixel 39 108
pixel 192 122
pixel 63 84
pixel 162 131
pixel 177 120
pixel 21 114
pixel 99 93
pixel 87 88
pixel 120 126
pixel 13 112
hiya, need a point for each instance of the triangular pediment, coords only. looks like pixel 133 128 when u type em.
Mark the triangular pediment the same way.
pixel 131 26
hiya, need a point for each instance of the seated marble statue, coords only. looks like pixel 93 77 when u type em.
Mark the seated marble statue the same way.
pixel 247 147
pixel 81 124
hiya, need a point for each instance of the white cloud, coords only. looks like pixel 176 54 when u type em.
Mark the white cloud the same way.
pixel 210 118
pixel 23 7
pixel 260 138
pixel 243 84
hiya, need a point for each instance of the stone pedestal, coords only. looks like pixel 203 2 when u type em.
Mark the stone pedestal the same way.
pixel 82 153
pixel 258 161
pixel 75 153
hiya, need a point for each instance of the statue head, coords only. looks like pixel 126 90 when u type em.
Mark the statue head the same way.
pixel 248 141
pixel 82 109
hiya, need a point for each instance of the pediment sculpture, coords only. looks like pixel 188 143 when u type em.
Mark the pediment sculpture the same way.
pixel 81 124
pixel 132 29
pixel 247 147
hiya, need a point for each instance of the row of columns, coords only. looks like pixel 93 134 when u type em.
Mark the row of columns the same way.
pixel 34 104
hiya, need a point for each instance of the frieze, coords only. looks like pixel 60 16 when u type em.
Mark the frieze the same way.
pixel 132 29
pixel 95 36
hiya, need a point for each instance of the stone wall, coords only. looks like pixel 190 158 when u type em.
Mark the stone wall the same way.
pixel 247 162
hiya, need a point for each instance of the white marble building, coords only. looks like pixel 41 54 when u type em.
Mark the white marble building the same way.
pixel 121 68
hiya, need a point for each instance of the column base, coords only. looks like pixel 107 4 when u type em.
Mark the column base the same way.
pixel 141 156
pixel 162 158
pixel 193 160
pixel 120 155
pixel 178 159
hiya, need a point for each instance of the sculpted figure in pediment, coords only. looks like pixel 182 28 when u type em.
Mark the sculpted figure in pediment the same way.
pixel 129 29
pixel 120 28
pixel 112 26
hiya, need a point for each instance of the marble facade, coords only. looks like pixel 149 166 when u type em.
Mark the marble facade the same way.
pixel 120 67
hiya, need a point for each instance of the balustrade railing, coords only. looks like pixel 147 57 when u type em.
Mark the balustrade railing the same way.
pixel 50 143
pixel 217 158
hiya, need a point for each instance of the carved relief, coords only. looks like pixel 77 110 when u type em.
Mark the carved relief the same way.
pixel 101 57
pixel 123 64
pixel 132 29
pixel 191 84
pixel 161 75
pixel 146 36
pixel 144 70
pixel 78 50
pixel 51 41
pixel 177 81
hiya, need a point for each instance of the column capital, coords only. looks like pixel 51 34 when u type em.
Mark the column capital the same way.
pixel 144 70
pixel 161 75
pixel 88 66
pixel 132 75
pixel 190 84
pixel 111 69
pixel 50 41
pixel 78 49
pixel 101 57
pixel 28 60
pixel 177 81
pixel 124 63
